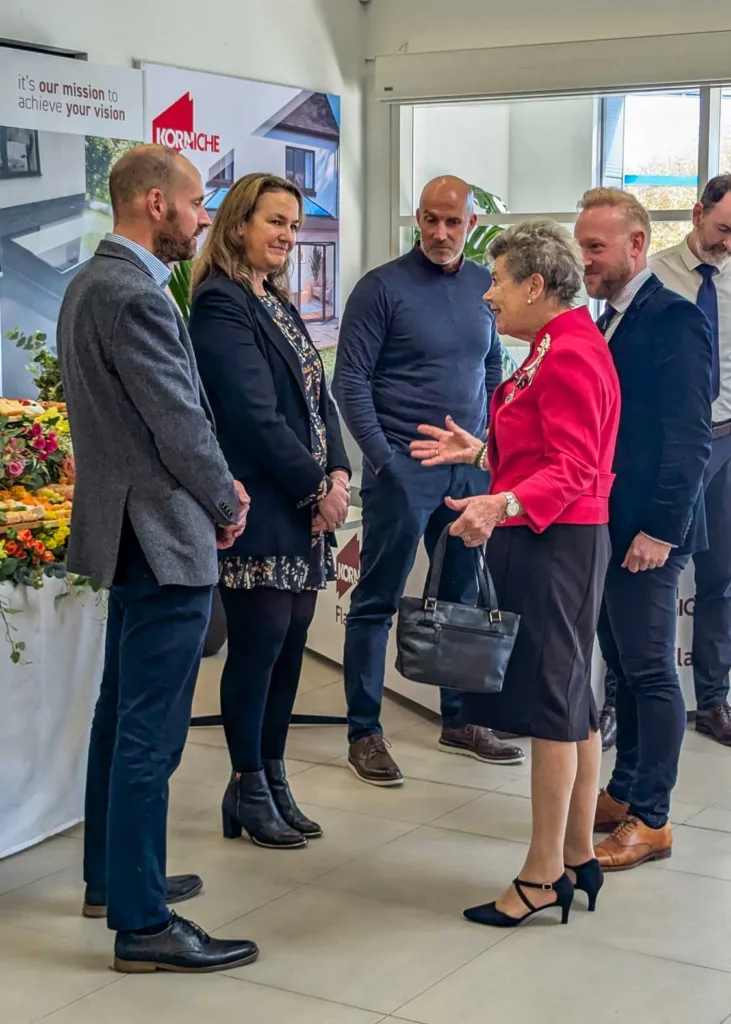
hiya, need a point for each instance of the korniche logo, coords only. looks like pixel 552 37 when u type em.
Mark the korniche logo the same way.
pixel 175 128
pixel 347 567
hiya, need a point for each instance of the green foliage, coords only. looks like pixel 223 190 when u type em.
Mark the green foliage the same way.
pixel 44 368
pixel 316 262
pixel 180 286
pixel 101 154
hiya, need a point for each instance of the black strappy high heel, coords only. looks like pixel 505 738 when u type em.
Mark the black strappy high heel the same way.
pixel 489 914
pixel 589 879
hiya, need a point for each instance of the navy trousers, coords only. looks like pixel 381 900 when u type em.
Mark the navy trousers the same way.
pixel 154 644
pixel 402 504
pixel 636 633
pixel 712 613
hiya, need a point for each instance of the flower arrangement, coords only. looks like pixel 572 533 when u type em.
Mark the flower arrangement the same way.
pixel 36 478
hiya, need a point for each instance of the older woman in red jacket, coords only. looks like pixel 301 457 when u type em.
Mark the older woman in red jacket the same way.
pixel 553 429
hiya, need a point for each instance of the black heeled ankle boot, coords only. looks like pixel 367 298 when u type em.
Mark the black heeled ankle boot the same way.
pixel 277 778
pixel 248 806
pixel 489 914
pixel 589 879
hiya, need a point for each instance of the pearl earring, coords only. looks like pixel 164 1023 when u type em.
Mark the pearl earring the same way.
pixel 530 302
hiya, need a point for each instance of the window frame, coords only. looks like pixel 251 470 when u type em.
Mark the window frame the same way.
pixel 5 173
pixel 401 153
pixel 309 157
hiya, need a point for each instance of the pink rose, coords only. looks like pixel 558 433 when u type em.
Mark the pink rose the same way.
pixel 15 467
pixel 51 444
pixel 42 456
pixel 36 430
pixel 39 444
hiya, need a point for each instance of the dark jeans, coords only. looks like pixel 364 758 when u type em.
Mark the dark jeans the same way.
pixel 404 503
pixel 636 632
pixel 267 631
pixel 712 613
pixel 154 644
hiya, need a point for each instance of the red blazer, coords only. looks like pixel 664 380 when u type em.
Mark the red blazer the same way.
pixel 553 427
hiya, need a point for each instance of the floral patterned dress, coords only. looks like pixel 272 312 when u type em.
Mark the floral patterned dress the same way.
pixel 285 572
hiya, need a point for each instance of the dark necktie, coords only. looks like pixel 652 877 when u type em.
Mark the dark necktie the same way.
pixel 606 318
pixel 707 302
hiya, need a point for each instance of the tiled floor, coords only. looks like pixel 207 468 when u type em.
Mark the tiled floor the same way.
pixel 365 925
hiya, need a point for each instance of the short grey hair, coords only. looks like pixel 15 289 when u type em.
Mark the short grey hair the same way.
pixel 546 248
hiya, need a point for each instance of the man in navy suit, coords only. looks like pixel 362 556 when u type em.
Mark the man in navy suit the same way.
pixel 661 346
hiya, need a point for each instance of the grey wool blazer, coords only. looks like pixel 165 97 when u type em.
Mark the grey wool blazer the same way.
pixel 142 429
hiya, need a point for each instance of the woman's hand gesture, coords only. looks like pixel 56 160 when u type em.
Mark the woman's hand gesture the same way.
pixel 445 447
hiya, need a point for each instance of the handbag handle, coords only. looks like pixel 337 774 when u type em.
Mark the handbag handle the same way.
pixel 487 593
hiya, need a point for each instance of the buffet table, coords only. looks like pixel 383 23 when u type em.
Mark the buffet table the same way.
pixel 47 702
pixel 327 633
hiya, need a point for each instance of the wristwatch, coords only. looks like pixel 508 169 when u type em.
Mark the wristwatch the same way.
pixel 513 508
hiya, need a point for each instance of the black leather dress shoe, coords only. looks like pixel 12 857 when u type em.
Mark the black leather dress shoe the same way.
pixel 179 888
pixel 183 948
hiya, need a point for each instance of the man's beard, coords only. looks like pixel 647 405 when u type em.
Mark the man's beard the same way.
pixel 170 245
pixel 716 255
pixel 611 286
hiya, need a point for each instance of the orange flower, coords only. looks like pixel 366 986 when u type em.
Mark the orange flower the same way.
pixel 12 548
pixel 48 557
pixel 38 546
pixel 25 536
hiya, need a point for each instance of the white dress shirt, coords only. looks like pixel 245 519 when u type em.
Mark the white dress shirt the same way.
pixel 624 300
pixel 676 268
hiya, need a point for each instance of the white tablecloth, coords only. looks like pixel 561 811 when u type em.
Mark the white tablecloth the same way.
pixel 46 707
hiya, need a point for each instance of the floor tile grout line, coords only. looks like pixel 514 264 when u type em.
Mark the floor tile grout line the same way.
pixel 654 956
pixel 87 995
pixel 40 878
pixel 306 995
pixel 446 977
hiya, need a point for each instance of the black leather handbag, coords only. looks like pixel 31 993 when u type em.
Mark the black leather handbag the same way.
pixel 458 646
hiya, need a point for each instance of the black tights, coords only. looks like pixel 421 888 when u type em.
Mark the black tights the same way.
pixel 267 631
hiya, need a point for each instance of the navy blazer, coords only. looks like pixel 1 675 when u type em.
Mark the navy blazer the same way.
pixel 254 383
pixel 662 352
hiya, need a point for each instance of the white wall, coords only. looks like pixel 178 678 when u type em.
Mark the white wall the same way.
pixel 469 140
pixel 395 26
pixel 551 154
pixel 314 44
pixel 63 172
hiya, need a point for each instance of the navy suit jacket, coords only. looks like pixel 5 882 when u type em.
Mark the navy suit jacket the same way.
pixel 662 352
pixel 254 382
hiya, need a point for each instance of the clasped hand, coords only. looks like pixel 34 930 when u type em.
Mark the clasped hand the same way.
pixel 227 535
pixel 645 553
pixel 332 511
pixel 480 515
pixel 445 447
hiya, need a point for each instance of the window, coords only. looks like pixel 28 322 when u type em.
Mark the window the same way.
pixel 725 157
pixel 19 153
pixel 300 169
pixel 222 173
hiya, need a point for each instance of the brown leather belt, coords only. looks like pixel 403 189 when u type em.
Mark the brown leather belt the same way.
pixel 721 429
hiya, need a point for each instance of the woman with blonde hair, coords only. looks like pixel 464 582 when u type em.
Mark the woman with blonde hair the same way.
pixel 279 431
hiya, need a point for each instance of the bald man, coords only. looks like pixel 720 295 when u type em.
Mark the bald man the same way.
pixel 417 344
pixel 153 498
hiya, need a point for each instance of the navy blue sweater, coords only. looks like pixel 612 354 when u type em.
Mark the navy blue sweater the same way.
pixel 416 344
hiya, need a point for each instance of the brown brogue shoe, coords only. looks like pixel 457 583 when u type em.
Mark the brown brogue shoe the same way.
pixel 633 843
pixel 609 813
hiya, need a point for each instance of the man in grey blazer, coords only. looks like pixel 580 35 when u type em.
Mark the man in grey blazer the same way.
pixel 153 499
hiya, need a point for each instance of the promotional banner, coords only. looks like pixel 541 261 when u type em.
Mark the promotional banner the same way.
pixel 60 94
pixel 228 127
pixel 63 123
